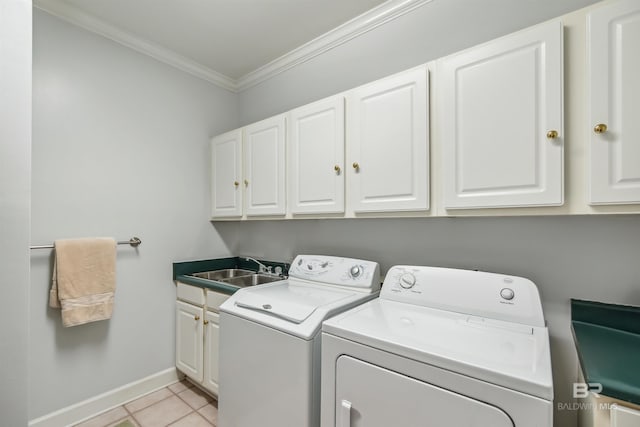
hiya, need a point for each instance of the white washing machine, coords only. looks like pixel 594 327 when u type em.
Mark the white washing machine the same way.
pixel 440 347
pixel 270 341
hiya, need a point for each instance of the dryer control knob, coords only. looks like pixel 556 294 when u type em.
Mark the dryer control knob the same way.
pixel 355 271
pixel 407 280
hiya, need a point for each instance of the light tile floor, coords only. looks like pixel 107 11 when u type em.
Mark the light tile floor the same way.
pixel 179 405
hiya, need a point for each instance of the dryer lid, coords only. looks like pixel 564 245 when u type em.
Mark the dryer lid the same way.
pixel 513 355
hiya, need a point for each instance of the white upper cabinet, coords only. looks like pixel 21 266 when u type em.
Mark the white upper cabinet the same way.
pixel 388 144
pixel 614 103
pixel 501 109
pixel 316 157
pixel 226 175
pixel 264 167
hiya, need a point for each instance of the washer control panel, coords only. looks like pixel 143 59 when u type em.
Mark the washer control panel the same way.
pixel 338 271
pixel 476 293
pixel 355 271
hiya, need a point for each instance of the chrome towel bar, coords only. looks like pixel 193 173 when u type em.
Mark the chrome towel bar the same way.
pixel 134 241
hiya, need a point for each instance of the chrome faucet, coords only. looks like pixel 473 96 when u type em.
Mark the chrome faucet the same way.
pixel 261 267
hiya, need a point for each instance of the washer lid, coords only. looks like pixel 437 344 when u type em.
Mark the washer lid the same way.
pixel 508 354
pixel 288 301
pixel 292 306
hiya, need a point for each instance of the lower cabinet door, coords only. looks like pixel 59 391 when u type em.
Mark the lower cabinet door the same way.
pixel 211 345
pixel 404 401
pixel 624 417
pixel 189 343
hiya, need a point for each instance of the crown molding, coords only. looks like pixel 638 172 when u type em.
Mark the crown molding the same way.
pixel 361 24
pixel 90 23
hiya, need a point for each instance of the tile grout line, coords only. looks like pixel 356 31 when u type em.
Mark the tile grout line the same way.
pixel 192 409
pixel 176 395
pixel 132 414
pixel 187 403
pixel 169 425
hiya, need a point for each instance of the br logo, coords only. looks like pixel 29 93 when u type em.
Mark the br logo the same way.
pixel 581 390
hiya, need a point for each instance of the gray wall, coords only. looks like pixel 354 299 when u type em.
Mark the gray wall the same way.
pixel 120 148
pixel 567 257
pixel 436 29
pixel 15 186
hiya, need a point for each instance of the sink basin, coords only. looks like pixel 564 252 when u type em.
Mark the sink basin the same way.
pixel 252 280
pixel 237 277
pixel 223 274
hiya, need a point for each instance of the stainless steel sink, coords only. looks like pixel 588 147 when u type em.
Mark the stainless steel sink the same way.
pixel 237 277
pixel 252 280
pixel 220 275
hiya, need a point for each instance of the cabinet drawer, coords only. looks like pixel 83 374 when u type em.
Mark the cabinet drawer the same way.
pixel 624 417
pixel 192 294
pixel 215 299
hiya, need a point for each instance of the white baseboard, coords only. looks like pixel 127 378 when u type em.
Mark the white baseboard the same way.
pixel 91 407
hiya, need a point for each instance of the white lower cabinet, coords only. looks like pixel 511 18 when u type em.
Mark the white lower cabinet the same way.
pixel 189 344
pixel 598 410
pixel 197 334
pixel 211 345
pixel 622 416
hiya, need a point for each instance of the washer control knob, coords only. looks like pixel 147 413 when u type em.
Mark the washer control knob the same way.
pixel 507 293
pixel 407 280
pixel 355 271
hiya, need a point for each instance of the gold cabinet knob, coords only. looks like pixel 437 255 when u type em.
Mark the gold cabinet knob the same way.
pixel 197 317
pixel 600 128
pixel 236 183
pixel 246 183
pixel 337 169
pixel 206 322
pixel 356 166
pixel 552 134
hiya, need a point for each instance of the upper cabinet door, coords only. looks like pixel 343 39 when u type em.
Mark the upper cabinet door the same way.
pixel 226 174
pixel 388 144
pixel 502 118
pixel 264 162
pixel 614 90
pixel 316 157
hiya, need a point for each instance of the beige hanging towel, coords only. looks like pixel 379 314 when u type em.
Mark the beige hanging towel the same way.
pixel 84 279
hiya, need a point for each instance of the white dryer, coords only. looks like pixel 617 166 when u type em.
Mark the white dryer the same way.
pixel 270 340
pixel 440 347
